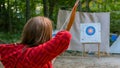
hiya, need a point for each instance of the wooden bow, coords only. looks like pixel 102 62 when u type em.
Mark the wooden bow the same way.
pixel 72 17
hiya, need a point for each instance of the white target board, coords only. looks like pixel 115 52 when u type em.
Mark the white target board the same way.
pixel 90 33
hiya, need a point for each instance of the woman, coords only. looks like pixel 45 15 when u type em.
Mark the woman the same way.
pixel 37 48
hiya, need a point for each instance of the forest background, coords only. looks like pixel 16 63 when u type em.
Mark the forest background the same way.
pixel 15 13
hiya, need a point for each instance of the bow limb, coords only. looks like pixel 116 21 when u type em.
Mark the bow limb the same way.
pixel 72 17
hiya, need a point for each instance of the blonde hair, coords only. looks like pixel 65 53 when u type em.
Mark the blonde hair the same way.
pixel 37 31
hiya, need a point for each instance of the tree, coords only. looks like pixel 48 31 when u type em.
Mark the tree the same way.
pixel 45 8
pixel 27 9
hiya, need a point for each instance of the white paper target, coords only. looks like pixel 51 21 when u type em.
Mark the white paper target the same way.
pixel 90 33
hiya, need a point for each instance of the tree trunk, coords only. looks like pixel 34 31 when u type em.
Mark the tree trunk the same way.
pixel 51 8
pixel 45 8
pixel 9 25
pixel 27 9
pixel 87 5
pixel 80 6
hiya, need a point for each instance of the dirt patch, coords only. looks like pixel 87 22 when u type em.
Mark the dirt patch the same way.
pixel 91 61
pixel 87 62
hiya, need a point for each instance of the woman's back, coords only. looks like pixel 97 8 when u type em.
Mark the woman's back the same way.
pixel 21 56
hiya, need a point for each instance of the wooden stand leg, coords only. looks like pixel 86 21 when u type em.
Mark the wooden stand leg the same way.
pixel 84 53
pixel 84 50
pixel 98 50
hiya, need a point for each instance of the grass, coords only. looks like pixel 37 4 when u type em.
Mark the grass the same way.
pixel 9 37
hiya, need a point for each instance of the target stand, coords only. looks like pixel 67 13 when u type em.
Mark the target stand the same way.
pixel 90 34
pixel 84 50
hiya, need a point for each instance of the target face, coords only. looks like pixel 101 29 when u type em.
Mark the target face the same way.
pixel 90 30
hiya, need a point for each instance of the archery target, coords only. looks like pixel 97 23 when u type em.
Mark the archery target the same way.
pixel 90 32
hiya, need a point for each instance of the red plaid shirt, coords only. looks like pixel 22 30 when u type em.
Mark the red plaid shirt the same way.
pixel 19 56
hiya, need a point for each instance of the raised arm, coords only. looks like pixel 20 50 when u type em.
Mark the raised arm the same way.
pixel 52 48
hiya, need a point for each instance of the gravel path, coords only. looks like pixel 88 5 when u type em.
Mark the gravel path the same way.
pixel 87 62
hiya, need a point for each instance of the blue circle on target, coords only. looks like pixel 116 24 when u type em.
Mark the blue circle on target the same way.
pixel 90 30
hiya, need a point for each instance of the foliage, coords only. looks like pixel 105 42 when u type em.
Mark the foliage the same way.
pixel 9 37
pixel 13 14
